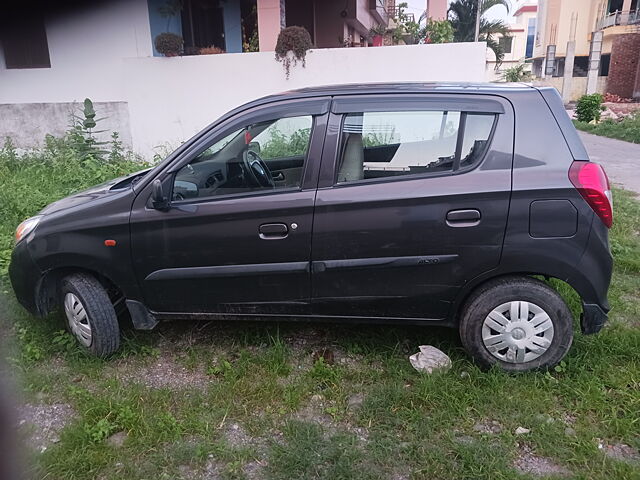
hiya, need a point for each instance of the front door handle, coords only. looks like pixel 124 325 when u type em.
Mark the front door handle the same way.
pixel 463 218
pixel 273 231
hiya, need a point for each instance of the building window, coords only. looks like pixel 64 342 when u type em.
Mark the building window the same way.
pixel 580 66
pixel 605 60
pixel 202 25
pixel 537 68
pixel 531 33
pixel 24 42
pixel 558 71
pixel 506 43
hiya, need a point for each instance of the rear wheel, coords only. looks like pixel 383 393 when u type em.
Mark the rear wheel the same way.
pixel 90 315
pixel 518 323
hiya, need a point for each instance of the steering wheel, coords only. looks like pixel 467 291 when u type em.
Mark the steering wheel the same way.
pixel 257 170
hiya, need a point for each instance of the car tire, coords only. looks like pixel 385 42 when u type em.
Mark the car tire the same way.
pixel 516 323
pixel 89 314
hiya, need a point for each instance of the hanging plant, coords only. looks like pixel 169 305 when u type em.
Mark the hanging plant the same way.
pixel 169 44
pixel 295 40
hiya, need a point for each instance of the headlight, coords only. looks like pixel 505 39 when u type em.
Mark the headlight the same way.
pixel 26 227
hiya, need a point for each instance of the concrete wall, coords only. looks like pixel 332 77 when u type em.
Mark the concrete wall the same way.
pixel 86 48
pixel 27 124
pixel 170 99
pixel 578 85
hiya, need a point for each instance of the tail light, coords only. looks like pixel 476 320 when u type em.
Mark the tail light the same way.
pixel 592 183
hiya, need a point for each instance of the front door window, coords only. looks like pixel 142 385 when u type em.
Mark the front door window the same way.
pixel 263 157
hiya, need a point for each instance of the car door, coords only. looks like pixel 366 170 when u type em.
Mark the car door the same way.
pixel 224 244
pixel 412 202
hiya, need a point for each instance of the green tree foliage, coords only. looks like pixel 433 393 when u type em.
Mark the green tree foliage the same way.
pixel 438 31
pixel 462 14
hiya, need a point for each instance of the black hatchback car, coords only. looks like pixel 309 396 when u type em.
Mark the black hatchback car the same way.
pixel 429 204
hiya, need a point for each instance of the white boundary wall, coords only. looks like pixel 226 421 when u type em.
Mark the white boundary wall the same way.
pixel 170 99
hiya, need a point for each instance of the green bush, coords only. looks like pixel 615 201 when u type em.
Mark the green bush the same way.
pixel 589 108
pixel 517 73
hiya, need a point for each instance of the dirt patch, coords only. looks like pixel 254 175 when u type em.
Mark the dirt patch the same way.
pixel 237 436
pixel 164 371
pixel 529 462
pixel 488 427
pixel 622 452
pixel 43 423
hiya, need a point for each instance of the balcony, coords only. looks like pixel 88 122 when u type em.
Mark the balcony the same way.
pixel 631 17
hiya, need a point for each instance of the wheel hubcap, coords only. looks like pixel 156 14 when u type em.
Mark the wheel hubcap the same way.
pixel 517 332
pixel 77 318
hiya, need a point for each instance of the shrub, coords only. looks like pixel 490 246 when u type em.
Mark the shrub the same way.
pixel 517 73
pixel 589 108
pixel 295 40
pixel 212 50
pixel 169 44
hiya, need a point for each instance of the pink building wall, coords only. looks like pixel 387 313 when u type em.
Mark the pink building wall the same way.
pixel 437 9
pixel 269 24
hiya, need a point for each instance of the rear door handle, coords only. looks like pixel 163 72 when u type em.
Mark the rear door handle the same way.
pixel 463 218
pixel 273 231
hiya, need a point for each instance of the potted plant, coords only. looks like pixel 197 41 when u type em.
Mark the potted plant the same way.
pixel 169 44
pixel 212 50
pixel 377 35
pixel 292 46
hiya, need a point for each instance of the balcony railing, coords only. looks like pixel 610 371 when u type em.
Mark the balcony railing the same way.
pixel 407 17
pixel 631 17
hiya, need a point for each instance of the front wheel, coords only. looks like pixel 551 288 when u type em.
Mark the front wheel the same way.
pixel 90 315
pixel 517 323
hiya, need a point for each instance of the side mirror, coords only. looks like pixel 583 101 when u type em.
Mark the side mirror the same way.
pixel 158 200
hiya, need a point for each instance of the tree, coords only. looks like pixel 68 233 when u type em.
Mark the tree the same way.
pixel 462 14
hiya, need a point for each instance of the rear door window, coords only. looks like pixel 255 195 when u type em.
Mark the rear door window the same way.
pixel 398 143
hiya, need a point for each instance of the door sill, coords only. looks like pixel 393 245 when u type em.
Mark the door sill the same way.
pixel 302 318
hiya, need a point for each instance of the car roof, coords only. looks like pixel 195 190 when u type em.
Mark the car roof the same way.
pixel 505 89
pixel 403 87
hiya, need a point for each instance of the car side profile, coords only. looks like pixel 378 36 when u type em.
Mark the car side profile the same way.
pixel 427 204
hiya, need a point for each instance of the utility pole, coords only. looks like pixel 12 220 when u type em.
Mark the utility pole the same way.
pixel 478 15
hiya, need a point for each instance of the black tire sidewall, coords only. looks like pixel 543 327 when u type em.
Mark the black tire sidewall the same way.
pixel 509 289
pixel 105 331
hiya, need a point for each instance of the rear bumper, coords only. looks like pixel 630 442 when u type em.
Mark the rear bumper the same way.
pixel 25 277
pixel 592 319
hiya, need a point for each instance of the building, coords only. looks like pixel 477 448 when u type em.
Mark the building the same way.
pixel 436 9
pixel 518 47
pixel 569 31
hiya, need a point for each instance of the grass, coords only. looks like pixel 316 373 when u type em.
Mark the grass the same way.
pixel 248 400
pixel 627 129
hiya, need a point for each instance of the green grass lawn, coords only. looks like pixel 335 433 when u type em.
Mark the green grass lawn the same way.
pixel 627 129
pixel 251 400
